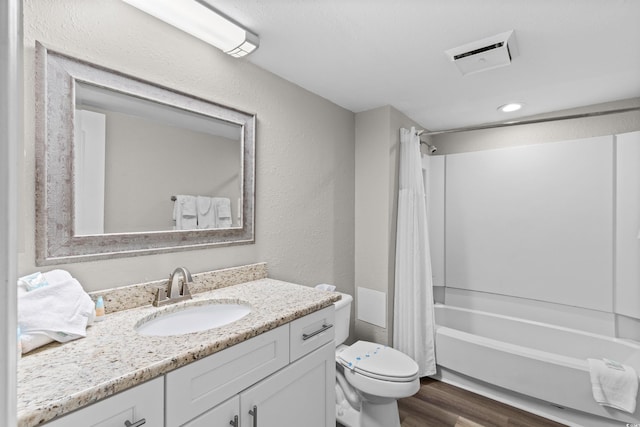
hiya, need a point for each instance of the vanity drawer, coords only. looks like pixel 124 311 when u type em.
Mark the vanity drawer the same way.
pixel 142 402
pixel 201 385
pixel 311 332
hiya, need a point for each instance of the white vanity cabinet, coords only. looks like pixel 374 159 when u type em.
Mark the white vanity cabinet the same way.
pixel 139 406
pixel 204 384
pixel 302 394
pixel 284 377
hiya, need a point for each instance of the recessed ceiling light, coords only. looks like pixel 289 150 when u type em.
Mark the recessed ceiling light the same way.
pixel 508 108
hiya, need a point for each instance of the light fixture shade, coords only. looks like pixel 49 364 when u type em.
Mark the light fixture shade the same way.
pixel 198 19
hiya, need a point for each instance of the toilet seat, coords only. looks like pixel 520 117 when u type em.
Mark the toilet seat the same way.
pixel 377 361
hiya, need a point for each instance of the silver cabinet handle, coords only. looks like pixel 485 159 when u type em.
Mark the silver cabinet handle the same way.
pixel 234 421
pixel 136 424
pixel 254 414
pixel 319 331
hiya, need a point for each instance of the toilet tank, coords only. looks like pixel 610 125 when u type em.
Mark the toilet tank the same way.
pixel 343 317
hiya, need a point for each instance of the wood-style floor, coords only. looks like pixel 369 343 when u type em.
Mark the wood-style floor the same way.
pixel 442 405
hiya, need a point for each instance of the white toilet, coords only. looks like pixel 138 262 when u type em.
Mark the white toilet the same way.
pixel 370 377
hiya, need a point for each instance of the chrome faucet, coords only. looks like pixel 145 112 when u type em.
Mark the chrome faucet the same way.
pixel 177 288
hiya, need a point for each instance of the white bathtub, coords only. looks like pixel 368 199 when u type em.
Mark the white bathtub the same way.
pixel 539 367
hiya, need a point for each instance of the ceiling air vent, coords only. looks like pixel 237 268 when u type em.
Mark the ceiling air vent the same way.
pixel 486 54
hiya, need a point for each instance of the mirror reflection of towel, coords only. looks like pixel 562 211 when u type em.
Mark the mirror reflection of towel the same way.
pixel 206 212
pixel 223 212
pixel 185 212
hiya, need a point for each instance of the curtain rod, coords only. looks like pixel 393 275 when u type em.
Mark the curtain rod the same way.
pixel 528 122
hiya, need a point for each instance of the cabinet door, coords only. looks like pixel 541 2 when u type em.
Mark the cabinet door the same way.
pixel 302 394
pixel 223 415
pixel 196 388
pixel 145 401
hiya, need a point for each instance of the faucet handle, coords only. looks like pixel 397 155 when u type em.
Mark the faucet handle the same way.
pixel 161 295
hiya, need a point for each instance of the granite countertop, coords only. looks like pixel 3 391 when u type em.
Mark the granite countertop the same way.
pixel 114 357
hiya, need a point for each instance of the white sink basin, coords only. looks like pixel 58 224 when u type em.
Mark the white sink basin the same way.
pixel 192 318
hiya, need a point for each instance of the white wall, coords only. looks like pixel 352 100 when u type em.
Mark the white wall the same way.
pixel 185 162
pixel 533 222
pixel 562 130
pixel 435 188
pixel 616 313
pixel 376 195
pixel 627 295
pixel 304 147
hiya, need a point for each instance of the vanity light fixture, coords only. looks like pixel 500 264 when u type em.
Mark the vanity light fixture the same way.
pixel 197 18
pixel 511 107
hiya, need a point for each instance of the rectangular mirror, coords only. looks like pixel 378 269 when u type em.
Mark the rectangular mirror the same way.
pixel 192 154
pixel 126 167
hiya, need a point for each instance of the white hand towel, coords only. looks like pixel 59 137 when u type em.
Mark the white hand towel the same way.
pixel 206 212
pixel 29 342
pixel 32 281
pixel 60 310
pixel 326 287
pixel 185 212
pixel 57 276
pixel 223 212
pixel 614 385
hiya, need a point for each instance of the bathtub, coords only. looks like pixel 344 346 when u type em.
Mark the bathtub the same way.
pixel 535 366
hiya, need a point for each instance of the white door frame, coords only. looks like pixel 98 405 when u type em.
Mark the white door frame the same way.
pixel 11 133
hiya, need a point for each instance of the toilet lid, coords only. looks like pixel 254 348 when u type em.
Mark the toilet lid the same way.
pixel 378 361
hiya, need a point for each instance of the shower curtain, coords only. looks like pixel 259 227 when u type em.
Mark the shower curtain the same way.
pixel 413 315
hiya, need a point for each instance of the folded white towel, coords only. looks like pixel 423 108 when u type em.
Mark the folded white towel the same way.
pixel 61 311
pixel 206 212
pixel 185 212
pixel 613 384
pixel 223 212
pixel 224 209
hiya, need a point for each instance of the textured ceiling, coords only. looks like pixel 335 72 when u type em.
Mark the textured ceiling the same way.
pixel 363 54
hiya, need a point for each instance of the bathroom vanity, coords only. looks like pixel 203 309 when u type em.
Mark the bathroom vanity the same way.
pixel 273 367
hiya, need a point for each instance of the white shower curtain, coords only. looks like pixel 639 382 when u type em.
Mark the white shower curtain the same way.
pixel 413 316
